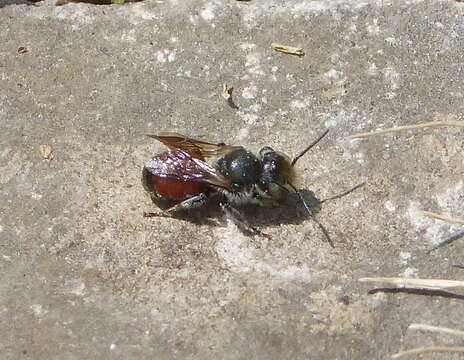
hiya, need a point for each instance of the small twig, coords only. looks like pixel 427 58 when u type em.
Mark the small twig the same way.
pixel 428 350
pixel 432 284
pixel 407 127
pixel 442 218
pixel 426 327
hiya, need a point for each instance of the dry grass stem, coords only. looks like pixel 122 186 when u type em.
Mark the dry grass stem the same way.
pixel 442 218
pixel 431 284
pixel 407 127
pixel 426 327
pixel 428 350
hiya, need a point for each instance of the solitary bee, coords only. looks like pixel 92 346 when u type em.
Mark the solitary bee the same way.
pixel 193 170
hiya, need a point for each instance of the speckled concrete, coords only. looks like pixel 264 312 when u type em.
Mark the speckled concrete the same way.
pixel 85 276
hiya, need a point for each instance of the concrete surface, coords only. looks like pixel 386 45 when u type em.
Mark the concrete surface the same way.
pixel 85 276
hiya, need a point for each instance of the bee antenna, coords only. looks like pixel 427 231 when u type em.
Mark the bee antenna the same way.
pixel 302 199
pixel 309 147
pixel 323 229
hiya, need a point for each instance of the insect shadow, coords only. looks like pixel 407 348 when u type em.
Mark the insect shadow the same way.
pixel 289 211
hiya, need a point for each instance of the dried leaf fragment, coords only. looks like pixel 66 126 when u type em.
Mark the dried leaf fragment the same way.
pixel 287 49
pixel 22 50
pixel 46 151
pixel 227 91
pixel 227 94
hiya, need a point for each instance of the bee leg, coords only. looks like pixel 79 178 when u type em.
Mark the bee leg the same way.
pixel 190 203
pixel 241 222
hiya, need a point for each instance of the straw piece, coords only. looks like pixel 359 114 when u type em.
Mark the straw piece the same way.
pixel 407 127
pixel 442 218
pixel 432 284
pixel 426 327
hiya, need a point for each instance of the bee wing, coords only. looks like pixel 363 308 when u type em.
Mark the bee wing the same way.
pixel 179 165
pixel 192 146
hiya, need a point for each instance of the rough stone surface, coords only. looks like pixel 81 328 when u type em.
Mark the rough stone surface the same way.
pixel 85 276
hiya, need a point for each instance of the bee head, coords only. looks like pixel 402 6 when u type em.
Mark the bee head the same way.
pixel 277 172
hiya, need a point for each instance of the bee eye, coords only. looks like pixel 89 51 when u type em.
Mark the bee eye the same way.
pixel 264 151
pixel 236 186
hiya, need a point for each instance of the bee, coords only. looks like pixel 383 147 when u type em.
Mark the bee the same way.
pixel 192 171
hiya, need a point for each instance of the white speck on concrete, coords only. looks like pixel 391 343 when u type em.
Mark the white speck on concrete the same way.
pixel 38 310
pixel 452 198
pixel 298 104
pixel 137 12
pixel 172 56
pixel 376 300
pixel 250 119
pixel 253 59
pixel 255 9
pixel 330 123
pixel 250 92
pixel 160 56
pixel 433 229
pixel 391 40
pixel 409 273
pixel 415 218
pixel 129 36
pixel 405 256
pixel 264 100
pixel 74 14
pixel 78 289
pixel 333 75
pixel 359 157
pixel 392 77
pixel 391 95
pixel 372 70
pixel 1 228
pixel 193 19
pixel 165 55
pixel 36 196
pixel 291 273
pixel 233 250
pixel 374 27
pixel 247 46
pixel 243 134
pixel 112 346
pixel 390 206
pixel 274 69
pixel 207 13
pixel 255 108
pixel 253 63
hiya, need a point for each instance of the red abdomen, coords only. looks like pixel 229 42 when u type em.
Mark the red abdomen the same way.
pixel 159 176
pixel 173 189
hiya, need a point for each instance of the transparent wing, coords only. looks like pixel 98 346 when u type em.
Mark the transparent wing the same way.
pixel 192 146
pixel 181 166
